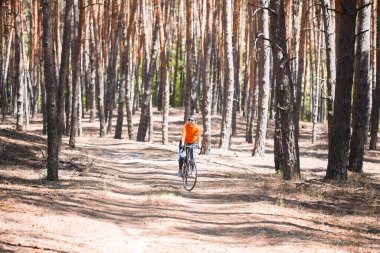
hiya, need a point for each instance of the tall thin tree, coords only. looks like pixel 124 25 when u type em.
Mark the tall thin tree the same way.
pixel 164 73
pixel 189 60
pixel 340 135
pixel 99 70
pixel 284 94
pixel 76 73
pixel 206 80
pixel 226 129
pixel 51 90
pixel 19 81
pixel 376 93
pixel 330 60
pixel 64 68
pixel 362 84
pixel 261 129
pixel 146 112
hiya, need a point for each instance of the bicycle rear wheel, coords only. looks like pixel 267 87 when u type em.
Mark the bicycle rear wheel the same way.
pixel 189 180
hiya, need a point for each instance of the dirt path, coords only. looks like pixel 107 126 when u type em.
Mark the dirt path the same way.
pixel 124 196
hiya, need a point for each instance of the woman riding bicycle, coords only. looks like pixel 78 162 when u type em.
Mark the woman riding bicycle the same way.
pixel 191 133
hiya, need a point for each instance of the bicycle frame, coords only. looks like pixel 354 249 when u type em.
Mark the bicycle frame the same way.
pixel 189 163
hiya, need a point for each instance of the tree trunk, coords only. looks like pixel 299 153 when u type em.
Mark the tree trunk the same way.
pixel 51 90
pixel 136 100
pixel 215 52
pixel 91 99
pixel 18 67
pixel 251 101
pixel 7 68
pixel 2 90
pixel 76 55
pixel 129 70
pixel 284 93
pixel 177 52
pixel 301 58
pixel 112 64
pixel 124 46
pixel 99 72
pixel 33 41
pixel 261 129
pixel 360 106
pixel 56 35
pixel 226 131
pixel 145 117
pixel 340 135
pixel 164 74
pixel 376 93
pixel 316 92
pixel 64 69
pixel 189 60
pixel 330 61
pixel 248 37
pixel 206 107
pixel 236 55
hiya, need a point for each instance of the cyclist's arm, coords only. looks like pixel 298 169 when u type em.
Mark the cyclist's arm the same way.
pixel 199 137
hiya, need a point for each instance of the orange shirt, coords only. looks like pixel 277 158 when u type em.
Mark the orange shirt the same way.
pixel 191 133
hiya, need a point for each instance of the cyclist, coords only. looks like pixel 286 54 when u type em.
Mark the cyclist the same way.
pixel 191 133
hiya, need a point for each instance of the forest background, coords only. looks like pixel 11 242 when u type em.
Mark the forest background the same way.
pixel 280 59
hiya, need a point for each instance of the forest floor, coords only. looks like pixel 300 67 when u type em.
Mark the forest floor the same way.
pixel 124 196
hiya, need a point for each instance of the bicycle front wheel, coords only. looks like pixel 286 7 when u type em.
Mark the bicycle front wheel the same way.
pixel 190 176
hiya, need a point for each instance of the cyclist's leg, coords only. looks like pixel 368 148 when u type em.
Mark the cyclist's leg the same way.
pixel 180 159
pixel 192 155
pixel 194 164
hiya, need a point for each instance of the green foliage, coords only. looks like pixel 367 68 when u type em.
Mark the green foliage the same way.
pixel 167 193
pixel 181 65
pixel 280 200
pixel 171 69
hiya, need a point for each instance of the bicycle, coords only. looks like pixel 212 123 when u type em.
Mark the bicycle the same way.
pixel 189 168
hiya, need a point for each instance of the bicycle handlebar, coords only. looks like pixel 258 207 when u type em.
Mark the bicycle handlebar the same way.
pixel 194 145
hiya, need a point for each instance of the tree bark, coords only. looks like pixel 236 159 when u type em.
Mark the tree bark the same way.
pixel 33 36
pixel 251 101
pixel 301 56
pixel 76 54
pixel 376 93
pixel 261 129
pixel 189 60
pixel 362 84
pixel 284 93
pixel 226 131
pixel 2 33
pixel 145 117
pixel 248 37
pixel 164 74
pixel 56 35
pixel 19 82
pixel 177 52
pixel 91 99
pixel 316 92
pixel 125 59
pixel 112 64
pixel 206 107
pixel 330 61
pixel 51 90
pixel 64 69
pixel 340 135
pixel 236 55
pixel 99 72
